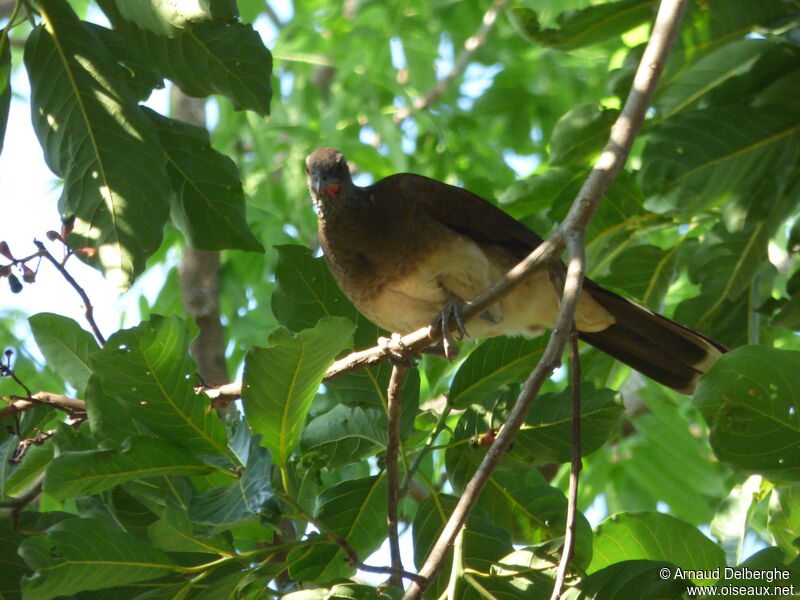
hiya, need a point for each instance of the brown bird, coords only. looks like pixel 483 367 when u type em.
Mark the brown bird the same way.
pixel 409 249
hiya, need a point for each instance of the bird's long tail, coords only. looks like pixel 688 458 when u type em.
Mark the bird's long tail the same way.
pixel 666 351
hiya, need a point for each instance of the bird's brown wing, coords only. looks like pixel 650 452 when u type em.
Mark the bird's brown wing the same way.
pixel 465 212
pixel 664 350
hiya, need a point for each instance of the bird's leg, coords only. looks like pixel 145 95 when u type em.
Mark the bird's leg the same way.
pixel 453 310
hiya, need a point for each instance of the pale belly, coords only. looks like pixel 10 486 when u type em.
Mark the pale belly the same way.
pixel 415 300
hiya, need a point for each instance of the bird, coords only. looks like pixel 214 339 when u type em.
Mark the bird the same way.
pixel 408 250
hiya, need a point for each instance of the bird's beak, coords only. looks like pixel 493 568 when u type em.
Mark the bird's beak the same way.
pixel 316 183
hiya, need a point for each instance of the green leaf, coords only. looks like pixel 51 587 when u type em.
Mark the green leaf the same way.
pixel 208 201
pixel 27 473
pixel 218 56
pixel 697 159
pixel 77 555
pixel 96 138
pixel 578 28
pixel 483 544
pixel 249 497
pixel 5 85
pixel 632 580
pixel 344 435
pixel 494 364
pixel 709 72
pixel 750 399
pixel 280 381
pixel 175 533
pixel 619 217
pixel 644 272
pixel 305 291
pixel 354 510
pixel 66 347
pixel 166 17
pixel 73 474
pixel 760 569
pixel 653 536
pixel 532 511
pixel 145 372
pixel 14 568
pixel 784 516
pixel 580 135
pixel 141 77
pixel 545 436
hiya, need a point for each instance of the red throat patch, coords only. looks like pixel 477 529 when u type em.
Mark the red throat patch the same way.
pixel 332 189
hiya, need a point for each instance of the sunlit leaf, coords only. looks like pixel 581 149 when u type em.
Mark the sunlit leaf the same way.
pixel 96 138
pixel 750 400
pixel 77 555
pixel 281 380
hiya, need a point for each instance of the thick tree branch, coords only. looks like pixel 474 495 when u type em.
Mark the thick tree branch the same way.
pixel 471 45
pixel 199 281
pixel 394 395
pixel 570 232
pixel 15 404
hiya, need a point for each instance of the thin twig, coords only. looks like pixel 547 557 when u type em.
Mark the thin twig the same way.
pixel 394 395
pixel 390 570
pixel 575 466
pixel 88 309
pixel 471 45
pixel 570 231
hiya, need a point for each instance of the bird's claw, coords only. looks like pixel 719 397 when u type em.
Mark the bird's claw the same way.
pixel 452 311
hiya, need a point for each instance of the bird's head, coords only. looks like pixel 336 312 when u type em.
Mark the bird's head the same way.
pixel 327 175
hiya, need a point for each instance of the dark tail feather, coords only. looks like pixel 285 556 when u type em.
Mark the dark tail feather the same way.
pixel 666 351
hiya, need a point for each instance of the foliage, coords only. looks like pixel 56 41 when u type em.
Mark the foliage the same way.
pixel 155 496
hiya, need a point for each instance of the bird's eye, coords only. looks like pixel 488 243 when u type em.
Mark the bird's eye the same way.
pixel 307 171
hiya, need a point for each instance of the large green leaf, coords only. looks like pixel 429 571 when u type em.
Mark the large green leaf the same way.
pixel 78 555
pixel 750 399
pixel 545 436
pixel 211 56
pixel 631 580
pixel 175 533
pixel 305 291
pixel 697 159
pixel 96 138
pixel 495 363
pixel 145 373
pixel 73 474
pixel 354 510
pixel 578 28
pixel 580 135
pixel 344 435
pixel 708 73
pixel 14 568
pixel 166 17
pixel 66 347
pixel 280 381
pixel 653 536
pixel 483 543
pixel 249 497
pixel 784 516
pixel 207 201
pixel 645 272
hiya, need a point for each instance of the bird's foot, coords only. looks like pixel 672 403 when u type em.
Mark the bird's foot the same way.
pixel 394 349
pixel 452 311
